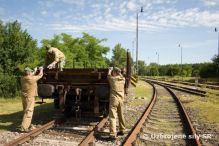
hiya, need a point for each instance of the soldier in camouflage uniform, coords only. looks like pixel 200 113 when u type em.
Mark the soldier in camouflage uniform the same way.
pixel 117 82
pixel 29 91
pixel 57 57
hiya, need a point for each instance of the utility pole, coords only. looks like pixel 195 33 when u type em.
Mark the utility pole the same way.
pixel 181 60
pixel 157 58
pixel 148 60
pixel 137 38
pixel 133 47
pixel 218 40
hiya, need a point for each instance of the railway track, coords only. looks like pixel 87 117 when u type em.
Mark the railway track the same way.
pixel 32 134
pixel 82 135
pixel 90 138
pixel 164 122
pixel 214 87
pixel 179 88
pixel 78 133
pixel 164 116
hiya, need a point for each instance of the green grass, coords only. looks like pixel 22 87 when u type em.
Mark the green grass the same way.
pixel 11 113
pixel 169 78
pixel 207 108
pixel 142 93
pixel 143 89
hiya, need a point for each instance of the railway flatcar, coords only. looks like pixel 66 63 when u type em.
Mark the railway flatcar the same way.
pixel 79 91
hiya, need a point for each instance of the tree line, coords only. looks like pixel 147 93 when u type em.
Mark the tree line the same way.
pixel 203 70
pixel 18 49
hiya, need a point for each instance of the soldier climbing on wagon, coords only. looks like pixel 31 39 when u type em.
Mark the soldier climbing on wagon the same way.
pixel 56 56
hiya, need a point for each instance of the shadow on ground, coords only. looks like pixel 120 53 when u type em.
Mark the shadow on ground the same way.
pixel 42 114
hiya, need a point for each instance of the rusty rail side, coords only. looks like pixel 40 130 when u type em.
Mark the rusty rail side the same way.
pixel 31 134
pixel 136 129
pixel 183 89
pixel 90 137
pixel 171 84
pixel 186 117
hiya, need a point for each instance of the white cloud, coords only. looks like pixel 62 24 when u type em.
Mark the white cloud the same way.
pixel 107 10
pixel 131 5
pixel 163 19
pixel 121 16
pixel 187 18
pixel 47 3
pixel 122 7
pixel 44 12
pixel 210 2
pixel 74 2
pixel 59 14
pixel 95 5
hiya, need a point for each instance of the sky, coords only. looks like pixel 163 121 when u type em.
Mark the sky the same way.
pixel 163 25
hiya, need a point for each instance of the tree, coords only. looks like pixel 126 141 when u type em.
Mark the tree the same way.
pixel 215 60
pixel 196 70
pixel 174 70
pixel 17 47
pixel 210 69
pixel 119 56
pixel 207 70
pixel 17 50
pixel 65 43
pixel 187 70
pixel 141 68
pixel 163 70
pixel 80 52
pixel 154 71
pixel 95 50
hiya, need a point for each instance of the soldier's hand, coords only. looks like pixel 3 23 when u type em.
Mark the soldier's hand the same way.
pixel 110 68
pixel 35 69
pixel 50 66
pixel 40 68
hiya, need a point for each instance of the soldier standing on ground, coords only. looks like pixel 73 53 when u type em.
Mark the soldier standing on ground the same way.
pixel 29 91
pixel 56 56
pixel 117 82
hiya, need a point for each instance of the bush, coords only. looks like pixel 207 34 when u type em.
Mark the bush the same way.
pixel 207 70
pixel 9 86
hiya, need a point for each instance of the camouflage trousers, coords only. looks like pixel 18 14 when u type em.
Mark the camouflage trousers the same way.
pixel 28 108
pixel 59 65
pixel 116 108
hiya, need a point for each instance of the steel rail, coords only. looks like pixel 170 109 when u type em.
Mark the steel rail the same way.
pixel 192 131
pixel 187 90
pixel 89 139
pixel 183 89
pixel 167 83
pixel 31 134
pixel 186 117
pixel 136 129
pixel 196 90
pixel 206 85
